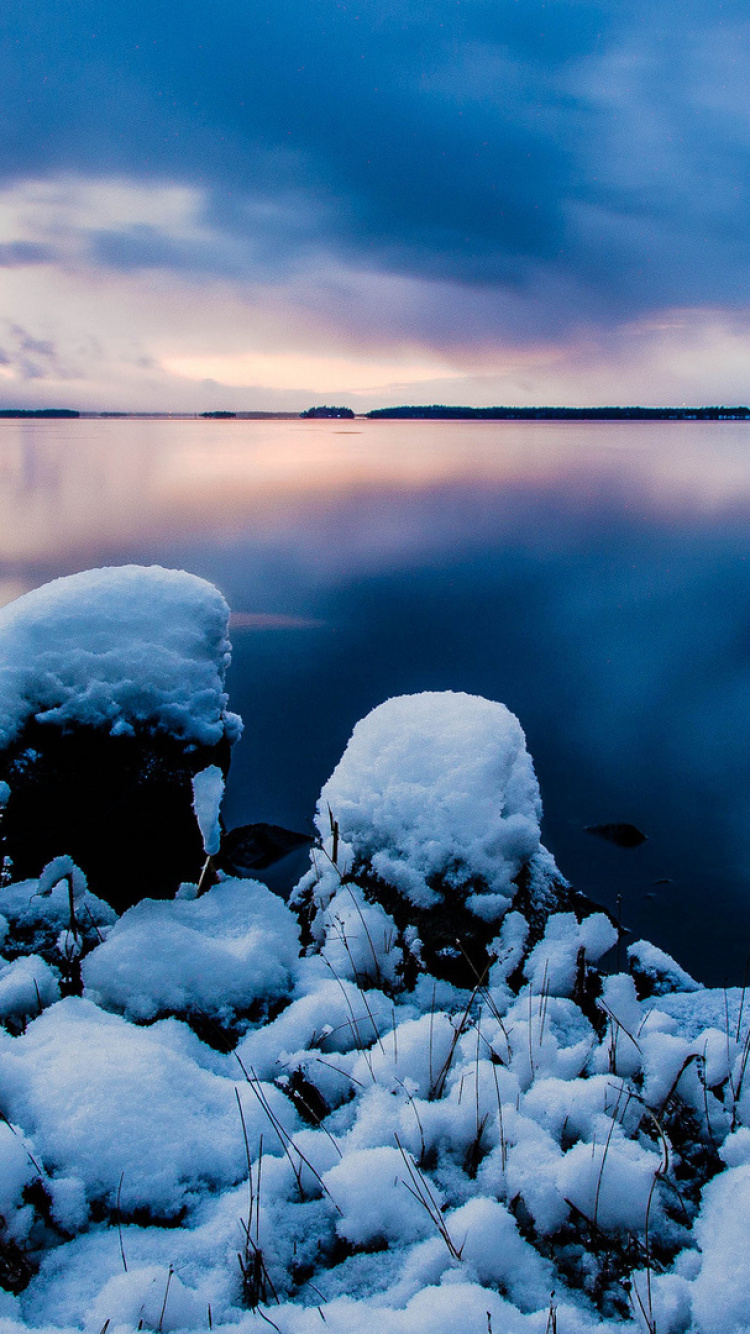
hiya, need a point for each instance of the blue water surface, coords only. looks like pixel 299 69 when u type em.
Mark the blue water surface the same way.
pixel 592 576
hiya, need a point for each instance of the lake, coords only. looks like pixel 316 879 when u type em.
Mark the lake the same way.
pixel 592 576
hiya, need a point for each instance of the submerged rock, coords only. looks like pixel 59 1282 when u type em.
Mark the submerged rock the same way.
pixel 111 701
pixel 256 847
pixel 622 835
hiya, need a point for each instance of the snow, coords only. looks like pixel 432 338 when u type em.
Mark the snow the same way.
pixel 27 985
pixel 208 790
pixel 63 869
pixel 78 1073
pixel 553 963
pixel 432 786
pixel 116 649
pixel 664 974
pixel 721 1289
pixel 373 1191
pixel 152 1298
pixel 226 1129
pixel 216 955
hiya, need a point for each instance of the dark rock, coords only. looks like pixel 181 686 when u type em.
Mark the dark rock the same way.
pixel 255 847
pixel 120 806
pixel 622 835
pixel 656 973
pixel 112 701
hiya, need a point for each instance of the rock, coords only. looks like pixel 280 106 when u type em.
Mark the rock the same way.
pixel 622 835
pixel 429 833
pixel 255 847
pixel 111 700
pixel 656 973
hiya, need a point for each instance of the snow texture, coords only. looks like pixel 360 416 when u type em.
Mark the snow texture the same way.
pixel 118 649
pixel 662 972
pixel 216 955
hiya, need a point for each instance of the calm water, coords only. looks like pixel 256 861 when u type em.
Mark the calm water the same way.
pixel 592 576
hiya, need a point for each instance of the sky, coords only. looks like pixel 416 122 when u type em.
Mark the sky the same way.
pixel 255 205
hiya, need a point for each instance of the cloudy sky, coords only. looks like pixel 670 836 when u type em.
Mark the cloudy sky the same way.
pixel 257 204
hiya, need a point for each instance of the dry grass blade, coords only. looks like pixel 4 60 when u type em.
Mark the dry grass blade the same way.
pixel 358 1040
pixel 419 1187
pixel 551 1326
pixel 287 1143
pixel 160 1325
pixel 118 1213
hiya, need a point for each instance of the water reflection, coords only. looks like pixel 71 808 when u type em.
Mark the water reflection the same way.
pixel 593 576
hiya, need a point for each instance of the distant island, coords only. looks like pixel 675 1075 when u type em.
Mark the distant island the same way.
pixel 430 412
pixel 441 412
pixel 328 412
pixel 38 412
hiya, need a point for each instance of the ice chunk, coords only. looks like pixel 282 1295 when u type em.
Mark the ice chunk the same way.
pixel 117 649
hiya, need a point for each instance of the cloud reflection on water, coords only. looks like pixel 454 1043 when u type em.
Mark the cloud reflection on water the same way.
pixel 594 577
pixel 77 491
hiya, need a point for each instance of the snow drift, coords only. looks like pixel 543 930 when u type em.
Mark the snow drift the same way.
pixel 414 1099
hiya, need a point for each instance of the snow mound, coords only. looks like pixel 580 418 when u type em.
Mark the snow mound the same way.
pixel 118 649
pixel 437 786
pixel 27 985
pixel 130 1110
pixel 216 955
pixel 37 908
pixel 656 973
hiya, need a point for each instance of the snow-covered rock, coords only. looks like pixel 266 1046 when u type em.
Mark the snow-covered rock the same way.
pixel 436 788
pixel 118 649
pixel 226 952
pixel 433 815
pixel 112 705
pixel 656 973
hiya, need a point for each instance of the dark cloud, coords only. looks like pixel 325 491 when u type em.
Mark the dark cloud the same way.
pixel 583 146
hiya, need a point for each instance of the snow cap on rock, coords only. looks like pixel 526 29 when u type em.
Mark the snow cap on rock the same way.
pixel 115 649
pixel 437 785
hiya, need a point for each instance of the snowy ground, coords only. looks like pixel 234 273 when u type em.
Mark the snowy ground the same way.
pixel 259 1113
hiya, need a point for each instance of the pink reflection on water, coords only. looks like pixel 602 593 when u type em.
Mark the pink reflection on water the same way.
pixel 83 491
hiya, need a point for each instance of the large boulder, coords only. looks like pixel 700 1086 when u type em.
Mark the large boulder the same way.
pixel 112 700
